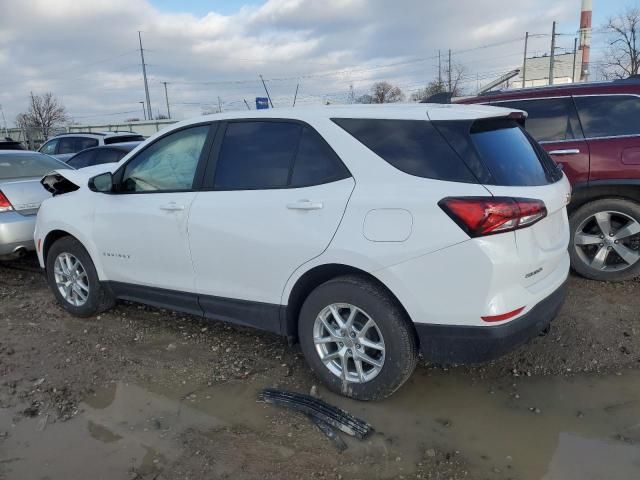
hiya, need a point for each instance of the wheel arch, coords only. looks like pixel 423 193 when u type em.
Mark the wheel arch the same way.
pixel 583 193
pixel 315 277
pixel 57 233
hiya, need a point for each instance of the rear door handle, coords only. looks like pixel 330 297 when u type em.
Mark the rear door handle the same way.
pixel 305 205
pixel 570 151
pixel 172 207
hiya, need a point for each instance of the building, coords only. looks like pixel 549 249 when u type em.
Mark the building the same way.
pixel 537 70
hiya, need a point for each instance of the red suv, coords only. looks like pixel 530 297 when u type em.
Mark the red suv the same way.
pixel 593 131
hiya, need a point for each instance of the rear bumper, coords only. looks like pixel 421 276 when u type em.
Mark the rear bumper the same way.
pixel 473 344
pixel 16 232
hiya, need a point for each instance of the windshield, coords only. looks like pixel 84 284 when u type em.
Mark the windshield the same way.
pixel 28 165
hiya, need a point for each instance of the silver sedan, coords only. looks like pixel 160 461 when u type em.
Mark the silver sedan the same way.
pixel 20 197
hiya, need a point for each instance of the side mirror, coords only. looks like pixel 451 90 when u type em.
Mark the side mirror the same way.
pixel 101 183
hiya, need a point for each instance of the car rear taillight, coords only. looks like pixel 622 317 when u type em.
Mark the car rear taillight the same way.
pixel 5 204
pixel 479 216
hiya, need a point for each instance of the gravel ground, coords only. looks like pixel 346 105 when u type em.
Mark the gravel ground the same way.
pixel 52 365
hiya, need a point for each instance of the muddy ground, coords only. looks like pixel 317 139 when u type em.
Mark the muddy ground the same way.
pixel 142 393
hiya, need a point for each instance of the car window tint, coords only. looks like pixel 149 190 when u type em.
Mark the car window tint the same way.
pixel 107 155
pixel 316 162
pixel 413 146
pixel 82 159
pixel 82 143
pixel 67 145
pixel 168 164
pixel 50 147
pixel 256 155
pixel 508 153
pixel 609 115
pixel 549 119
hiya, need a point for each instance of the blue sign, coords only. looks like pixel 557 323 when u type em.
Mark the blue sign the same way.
pixel 262 103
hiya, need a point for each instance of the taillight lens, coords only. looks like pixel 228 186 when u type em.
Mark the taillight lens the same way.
pixel 479 216
pixel 5 204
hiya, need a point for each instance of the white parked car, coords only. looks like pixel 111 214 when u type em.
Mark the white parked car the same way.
pixel 66 145
pixel 367 233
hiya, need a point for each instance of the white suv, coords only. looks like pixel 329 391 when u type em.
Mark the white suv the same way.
pixel 66 145
pixel 367 233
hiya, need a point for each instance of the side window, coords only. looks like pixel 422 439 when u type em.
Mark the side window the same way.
pixel 67 145
pixel 609 115
pixel 83 159
pixel 82 143
pixel 316 162
pixel 107 155
pixel 168 164
pixel 549 119
pixel 50 147
pixel 256 155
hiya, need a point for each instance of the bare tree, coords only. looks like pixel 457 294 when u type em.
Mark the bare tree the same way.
pixel 623 57
pixel 438 85
pixel 432 88
pixel 44 114
pixel 384 92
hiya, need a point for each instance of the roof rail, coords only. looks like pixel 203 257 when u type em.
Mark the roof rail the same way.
pixel 558 86
pixel 81 133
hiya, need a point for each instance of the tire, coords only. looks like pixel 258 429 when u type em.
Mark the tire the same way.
pixel 97 298
pixel 392 330
pixel 585 227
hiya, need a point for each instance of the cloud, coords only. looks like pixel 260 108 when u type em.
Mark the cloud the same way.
pixel 86 52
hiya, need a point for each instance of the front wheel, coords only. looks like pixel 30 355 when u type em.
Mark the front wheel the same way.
pixel 605 240
pixel 73 279
pixel 357 339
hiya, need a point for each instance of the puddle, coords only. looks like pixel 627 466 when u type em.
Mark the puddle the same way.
pixel 524 428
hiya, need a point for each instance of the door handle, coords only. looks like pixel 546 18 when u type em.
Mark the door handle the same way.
pixel 172 207
pixel 305 205
pixel 570 151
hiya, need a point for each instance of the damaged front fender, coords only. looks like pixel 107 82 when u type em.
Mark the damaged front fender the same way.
pixel 59 182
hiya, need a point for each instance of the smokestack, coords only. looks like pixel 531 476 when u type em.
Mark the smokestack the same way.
pixel 585 37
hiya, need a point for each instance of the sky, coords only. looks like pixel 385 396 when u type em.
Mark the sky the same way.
pixel 211 52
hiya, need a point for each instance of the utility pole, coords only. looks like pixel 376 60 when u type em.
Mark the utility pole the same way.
pixel 439 69
pixel 144 112
pixel 449 71
pixel 575 51
pixel 524 63
pixel 219 105
pixel 553 53
pixel 267 91
pixel 166 97
pixel 245 102
pixel 144 75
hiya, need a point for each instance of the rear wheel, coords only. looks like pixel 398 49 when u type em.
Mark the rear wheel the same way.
pixel 73 279
pixel 605 240
pixel 357 339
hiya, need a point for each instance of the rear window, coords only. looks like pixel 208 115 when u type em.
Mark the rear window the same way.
pixel 27 165
pixel 123 138
pixel 510 155
pixel 412 146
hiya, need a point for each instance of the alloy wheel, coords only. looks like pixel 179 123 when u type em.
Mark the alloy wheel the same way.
pixel 71 279
pixel 608 241
pixel 349 343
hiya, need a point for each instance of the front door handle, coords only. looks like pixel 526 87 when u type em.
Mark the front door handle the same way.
pixel 305 205
pixel 570 151
pixel 172 207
